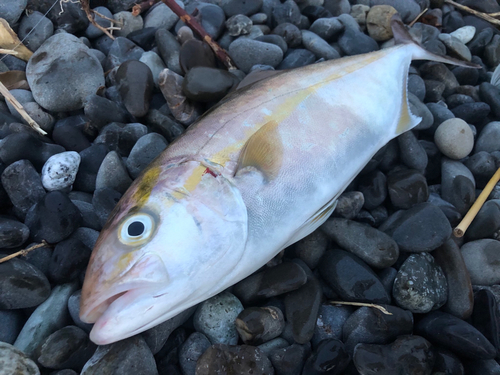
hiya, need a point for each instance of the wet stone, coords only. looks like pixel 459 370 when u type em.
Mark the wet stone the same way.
pixel 23 185
pixel 53 218
pixel 288 360
pixel 14 361
pixel 21 285
pixel 144 152
pixel 257 325
pixel 61 59
pixel 68 347
pixel 420 285
pixel 460 298
pixel 301 310
pixel 456 335
pixel 122 357
pixel 215 318
pixel 374 247
pixel 372 326
pixel 410 355
pixel 69 259
pixel 424 227
pixel 330 321
pixel 104 201
pixel 109 136
pixel 351 278
pixel 311 248
pixel 241 359
pixel 207 84
pixel 378 22
pixel 195 345
pixel 196 53
pixel 481 258
pixel 91 159
pixel 482 366
pixel 271 282
pixel 59 172
pixel 113 174
pixel 407 187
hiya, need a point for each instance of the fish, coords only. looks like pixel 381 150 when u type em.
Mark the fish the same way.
pixel 259 171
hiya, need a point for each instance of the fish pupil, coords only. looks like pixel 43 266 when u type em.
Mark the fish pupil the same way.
pixel 135 229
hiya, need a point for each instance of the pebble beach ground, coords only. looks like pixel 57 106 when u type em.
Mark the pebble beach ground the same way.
pixel 109 107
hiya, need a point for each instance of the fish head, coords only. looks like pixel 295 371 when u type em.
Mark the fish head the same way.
pixel 172 241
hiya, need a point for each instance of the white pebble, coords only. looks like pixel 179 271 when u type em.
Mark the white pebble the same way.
pixel 464 34
pixel 60 170
pixel 454 138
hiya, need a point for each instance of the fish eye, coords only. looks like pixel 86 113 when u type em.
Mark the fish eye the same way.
pixel 136 229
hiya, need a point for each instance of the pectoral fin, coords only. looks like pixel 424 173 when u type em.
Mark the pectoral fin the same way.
pixel 263 151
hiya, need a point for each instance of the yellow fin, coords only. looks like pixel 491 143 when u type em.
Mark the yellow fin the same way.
pixel 407 120
pixel 263 151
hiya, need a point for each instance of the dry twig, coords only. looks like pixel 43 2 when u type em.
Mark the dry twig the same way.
pixel 459 231
pixel 19 108
pixel 8 51
pixel 378 307
pixel 23 252
pixel 145 5
pixel 418 17
pixel 90 15
pixel 484 16
pixel 195 26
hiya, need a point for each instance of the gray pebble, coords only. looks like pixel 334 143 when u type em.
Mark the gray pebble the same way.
pixel 169 49
pixel 247 53
pixel 257 325
pixel 144 152
pixel 60 170
pixel 74 311
pixel 11 10
pixel 127 23
pixel 161 16
pixel 155 64
pixel 327 28
pixel 457 185
pixel 489 138
pixel 413 155
pixel 277 343
pixel 122 50
pixel 331 319
pixel 481 259
pixel 195 345
pixel 454 138
pixel 216 316
pixel 39 34
pixel 14 361
pixel 12 233
pixel 318 46
pixel 239 24
pixel 92 31
pixel 455 47
pixel 113 174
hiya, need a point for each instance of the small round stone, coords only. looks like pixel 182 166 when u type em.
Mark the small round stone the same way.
pixel 14 361
pixel 60 170
pixel 454 138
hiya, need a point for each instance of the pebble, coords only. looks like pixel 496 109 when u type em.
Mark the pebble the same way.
pixel 160 16
pixel 454 138
pixel 68 260
pixel 104 201
pixel 191 350
pixel 271 282
pixel 410 355
pixel 212 18
pixel 135 84
pixel 407 188
pixel 239 24
pixel 101 111
pixel 233 7
pixel 215 318
pixel 327 28
pixel 144 38
pixel 492 52
pixel 301 310
pixel 416 86
pixel 374 247
pixel 122 357
pixel 351 278
pixel 288 12
pixel 48 317
pixel 129 135
pixel 93 32
pixel 274 39
pixel 349 204
pixel 240 359
pixel 486 223
pixel 290 359
pixel 482 366
pixel 22 285
pixel 485 316
pixel 63 58
pixel 12 322
pixel 53 218
pixel 163 124
pixel 113 174
pixel 455 334
pixel 460 299
pixel 67 348
pixel 481 257
pixel 74 311
pixel 37 35
pixel 446 361
pixel 70 133
pixel 420 285
pixel 59 171
pixel 205 84
pixel 23 185
pixel 14 361
pixel 330 357
pixel 371 326
pixel 146 149
pixel 311 248
pixel 120 51
pixel 196 53
pixel 378 22
pixel 473 113
pixel 457 185
pixel 257 325
pixel 68 17
pixel 353 41
pixel 455 47
pixel 489 137
pixel 127 23
pixel 12 10
pixel 318 46
pixel 289 32
pixel 413 155
pixel 247 53
pixel 424 227
pixel 91 159
pixel 330 322
pixel 169 49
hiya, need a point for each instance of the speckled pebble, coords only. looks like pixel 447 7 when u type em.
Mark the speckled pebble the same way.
pixel 14 361
pixel 60 170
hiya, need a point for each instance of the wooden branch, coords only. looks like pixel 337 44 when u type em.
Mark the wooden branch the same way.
pixel 482 15
pixel 8 51
pixel 23 252
pixel 19 108
pixel 459 231
pixel 196 27
pixel 145 5
pixel 90 16
pixel 361 304
pixel 418 17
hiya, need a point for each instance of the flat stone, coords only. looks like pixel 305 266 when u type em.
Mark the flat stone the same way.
pixel 481 258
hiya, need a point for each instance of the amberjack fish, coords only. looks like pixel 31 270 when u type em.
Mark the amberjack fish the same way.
pixel 258 172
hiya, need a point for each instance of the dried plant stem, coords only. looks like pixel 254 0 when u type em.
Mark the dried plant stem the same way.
pixel 90 16
pixel 23 252
pixel 145 5
pixel 19 108
pixel 459 231
pixel 196 27
pixel 8 51
pixel 418 17
pixel 378 307
pixel 484 16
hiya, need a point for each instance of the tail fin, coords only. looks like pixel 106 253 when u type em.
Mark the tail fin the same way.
pixel 402 36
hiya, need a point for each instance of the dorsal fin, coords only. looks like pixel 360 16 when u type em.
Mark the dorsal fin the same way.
pixel 402 36
pixel 263 151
